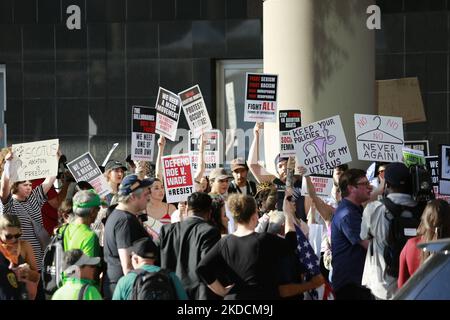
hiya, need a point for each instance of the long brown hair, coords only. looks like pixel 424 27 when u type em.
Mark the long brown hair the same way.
pixel 435 223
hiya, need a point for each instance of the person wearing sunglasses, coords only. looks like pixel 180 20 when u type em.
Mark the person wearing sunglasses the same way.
pixel 19 274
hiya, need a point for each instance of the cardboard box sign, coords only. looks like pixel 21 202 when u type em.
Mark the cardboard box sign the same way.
pixel 400 98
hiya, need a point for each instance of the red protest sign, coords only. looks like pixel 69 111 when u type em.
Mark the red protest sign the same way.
pixel 177 177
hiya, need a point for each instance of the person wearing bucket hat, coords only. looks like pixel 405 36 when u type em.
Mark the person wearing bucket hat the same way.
pixel 375 228
pixel 262 175
pixel 80 271
pixel 78 234
pixel 122 228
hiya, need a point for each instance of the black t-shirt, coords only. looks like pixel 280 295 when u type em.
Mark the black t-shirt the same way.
pixel 252 263
pixel 297 193
pixel 121 230
pixel 9 285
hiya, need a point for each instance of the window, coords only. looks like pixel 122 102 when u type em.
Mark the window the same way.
pixel 236 133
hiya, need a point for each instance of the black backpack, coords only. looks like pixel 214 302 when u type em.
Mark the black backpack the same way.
pixel 153 286
pixel 51 274
pixel 401 229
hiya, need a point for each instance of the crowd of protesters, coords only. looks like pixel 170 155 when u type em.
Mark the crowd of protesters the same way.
pixel 233 238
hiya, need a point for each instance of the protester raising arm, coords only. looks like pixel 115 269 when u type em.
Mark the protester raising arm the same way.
pixel 325 210
pixel 260 173
pixel 158 166
pixel 5 187
pixel 201 164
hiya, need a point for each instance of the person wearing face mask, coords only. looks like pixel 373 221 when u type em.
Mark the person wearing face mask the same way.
pixel 262 175
pixel 18 270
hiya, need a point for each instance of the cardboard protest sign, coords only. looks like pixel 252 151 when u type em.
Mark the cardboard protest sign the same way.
pixel 84 168
pixel 433 168
pixel 261 97
pixel 194 108
pixel 168 107
pixel 321 145
pixel 35 160
pixel 211 153
pixel 444 172
pixel 413 157
pixel 143 123
pixel 178 177
pixel 379 138
pixel 322 186
pixel 421 145
pixel 288 120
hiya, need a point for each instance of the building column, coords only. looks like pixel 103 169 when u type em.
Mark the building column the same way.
pixel 324 55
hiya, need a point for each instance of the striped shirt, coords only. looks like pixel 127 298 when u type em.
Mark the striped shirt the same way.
pixel 26 210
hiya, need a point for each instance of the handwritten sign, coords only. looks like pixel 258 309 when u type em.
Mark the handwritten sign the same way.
pixel 194 108
pixel 421 145
pixel 143 123
pixel 288 120
pixel 211 153
pixel 261 97
pixel 321 145
pixel 84 168
pixel 168 108
pixel 322 186
pixel 35 160
pixel 379 138
pixel 177 177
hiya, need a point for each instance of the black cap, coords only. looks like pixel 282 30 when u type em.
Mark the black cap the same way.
pixel 279 159
pixel 397 174
pixel 145 248
pixel 113 164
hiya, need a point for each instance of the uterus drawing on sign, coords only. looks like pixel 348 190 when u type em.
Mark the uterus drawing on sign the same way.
pixel 319 145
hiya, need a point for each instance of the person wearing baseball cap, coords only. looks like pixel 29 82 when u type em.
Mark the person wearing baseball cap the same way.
pixel 122 228
pixel 80 271
pixel 375 228
pixel 241 184
pixel 114 173
pixel 220 179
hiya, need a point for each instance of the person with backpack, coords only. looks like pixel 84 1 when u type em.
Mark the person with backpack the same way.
pixel 80 271
pixel 380 219
pixel 148 281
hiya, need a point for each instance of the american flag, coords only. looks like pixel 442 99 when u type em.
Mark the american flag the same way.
pixel 308 258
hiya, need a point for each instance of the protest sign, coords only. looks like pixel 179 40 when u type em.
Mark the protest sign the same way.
pixel 194 108
pixel 321 145
pixel 412 157
pixel 288 120
pixel 211 153
pixel 35 160
pixel 168 107
pixel 433 168
pixel 178 177
pixel 84 168
pixel 422 145
pixel 261 97
pixel 322 186
pixel 379 138
pixel 444 172
pixel 143 122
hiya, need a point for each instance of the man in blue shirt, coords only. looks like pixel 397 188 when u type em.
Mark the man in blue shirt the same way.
pixel 348 250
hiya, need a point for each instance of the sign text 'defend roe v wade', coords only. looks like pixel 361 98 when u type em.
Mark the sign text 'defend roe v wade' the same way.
pixel 143 122
pixel 168 107
pixel 261 97
pixel 35 160
pixel 379 138
pixel 177 177
pixel 321 145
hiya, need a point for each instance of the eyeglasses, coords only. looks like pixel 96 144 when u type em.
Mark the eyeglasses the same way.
pixel 11 236
pixel 366 183
pixel 380 171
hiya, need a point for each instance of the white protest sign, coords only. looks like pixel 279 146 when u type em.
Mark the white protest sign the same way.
pixel 168 107
pixel 178 179
pixel 35 160
pixel 143 122
pixel 261 97
pixel 194 108
pixel 322 186
pixel 321 145
pixel 84 168
pixel 211 153
pixel 379 138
